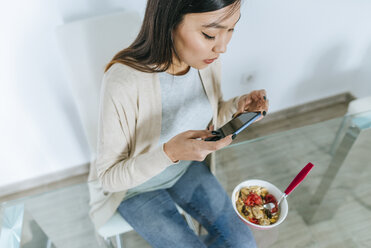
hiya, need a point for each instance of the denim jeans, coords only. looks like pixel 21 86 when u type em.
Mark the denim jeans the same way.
pixel 154 215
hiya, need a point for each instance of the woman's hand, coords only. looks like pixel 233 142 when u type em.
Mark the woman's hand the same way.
pixel 190 145
pixel 255 101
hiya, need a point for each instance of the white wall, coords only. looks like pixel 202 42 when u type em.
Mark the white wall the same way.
pixel 298 50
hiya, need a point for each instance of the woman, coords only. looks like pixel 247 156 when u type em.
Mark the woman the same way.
pixel 159 96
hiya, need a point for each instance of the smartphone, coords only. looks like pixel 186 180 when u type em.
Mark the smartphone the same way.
pixel 236 125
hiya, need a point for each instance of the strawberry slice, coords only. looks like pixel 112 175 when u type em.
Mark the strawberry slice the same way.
pixel 253 199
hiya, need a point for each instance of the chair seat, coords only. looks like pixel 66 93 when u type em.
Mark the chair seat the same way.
pixel 360 109
pixel 362 121
pixel 115 225
pixel 359 105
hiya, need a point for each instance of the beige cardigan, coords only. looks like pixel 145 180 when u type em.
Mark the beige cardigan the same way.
pixel 128 153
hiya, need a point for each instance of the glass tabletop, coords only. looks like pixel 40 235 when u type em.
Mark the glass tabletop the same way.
pixel 58 218
pixel 331 208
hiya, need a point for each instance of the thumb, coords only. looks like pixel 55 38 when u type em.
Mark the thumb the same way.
pixel 211 128
pixel 242 106
pixel 247 103
pixel 194 134
pixel 214 146
pixel 224 142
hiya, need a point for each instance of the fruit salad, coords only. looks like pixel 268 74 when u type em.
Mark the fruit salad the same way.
pixel 250 203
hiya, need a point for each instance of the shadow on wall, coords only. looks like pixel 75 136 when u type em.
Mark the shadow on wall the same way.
pixel 72 10
pixel 329 73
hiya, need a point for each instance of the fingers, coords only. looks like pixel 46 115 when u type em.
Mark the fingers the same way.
pixel 255 101
pixel 198 134
pixel 263 94
pixel 259 96
pixel 236 114
pixel 243 107
pixel 211 128
pixel 214 146
pixel 224 142
pixel 260 101
pixel 243 103
pixel 261 117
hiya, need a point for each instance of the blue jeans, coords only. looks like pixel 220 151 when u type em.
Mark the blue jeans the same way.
pixel 154 215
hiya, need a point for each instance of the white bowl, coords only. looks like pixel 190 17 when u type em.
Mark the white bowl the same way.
pixel 272 190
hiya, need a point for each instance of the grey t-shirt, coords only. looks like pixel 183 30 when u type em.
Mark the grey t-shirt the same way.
pixel 185 106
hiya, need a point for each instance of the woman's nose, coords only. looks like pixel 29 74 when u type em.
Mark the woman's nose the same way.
pixel 220 47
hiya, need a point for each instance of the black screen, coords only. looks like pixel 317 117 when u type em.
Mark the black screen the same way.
pixel 237 123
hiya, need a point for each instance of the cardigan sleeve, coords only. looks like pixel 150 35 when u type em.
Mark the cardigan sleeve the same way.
pixel 116 168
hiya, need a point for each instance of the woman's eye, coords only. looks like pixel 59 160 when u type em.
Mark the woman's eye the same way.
pixel 208 36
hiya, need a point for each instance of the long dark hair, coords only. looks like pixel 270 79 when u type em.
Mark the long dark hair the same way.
pixel 153 49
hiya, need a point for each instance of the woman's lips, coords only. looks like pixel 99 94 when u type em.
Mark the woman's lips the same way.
pixel 209 61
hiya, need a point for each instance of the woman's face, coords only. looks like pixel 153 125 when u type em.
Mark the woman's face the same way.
pixel 201 37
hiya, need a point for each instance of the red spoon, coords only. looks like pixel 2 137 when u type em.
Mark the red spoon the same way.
pixel 297 180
